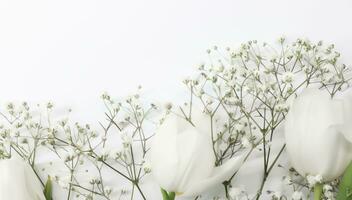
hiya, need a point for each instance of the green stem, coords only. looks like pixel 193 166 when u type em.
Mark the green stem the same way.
pixel 318 191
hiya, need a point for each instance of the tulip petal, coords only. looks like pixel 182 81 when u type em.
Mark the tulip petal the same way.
pixel 18 181
pixel 164 154
pixel 313 129
pixel 218 175
pixel 346 128
pixel 196 158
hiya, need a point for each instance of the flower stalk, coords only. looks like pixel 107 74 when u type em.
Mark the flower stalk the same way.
pixel 318 191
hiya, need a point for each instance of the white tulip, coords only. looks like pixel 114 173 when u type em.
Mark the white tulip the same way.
pixel 318 135
pixel 182 157
pixel 18 181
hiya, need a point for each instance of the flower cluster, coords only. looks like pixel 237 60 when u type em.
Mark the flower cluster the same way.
pixel 252 88
pixel 83 154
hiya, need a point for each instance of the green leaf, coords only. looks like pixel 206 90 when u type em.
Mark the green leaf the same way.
pixel 48 189
pixel 345 187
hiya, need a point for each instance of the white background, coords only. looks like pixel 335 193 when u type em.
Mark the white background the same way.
pixel 70 51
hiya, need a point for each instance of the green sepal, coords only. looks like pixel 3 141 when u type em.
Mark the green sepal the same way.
pixel 172 195
pixel 48 189
pixel 166 195
pixel 345 187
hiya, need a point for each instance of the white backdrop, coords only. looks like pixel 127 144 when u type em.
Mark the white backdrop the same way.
pixel 70 51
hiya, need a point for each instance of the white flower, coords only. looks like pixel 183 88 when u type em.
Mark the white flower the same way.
pixel 240 126
pixel 312 180
pixel 220 68
pixel 328 191
pixel 287 180
pixel 18 181
pixel 63 181
pixel 222 145
pixel 235 192
pixel 318 127
pixel 277 195
pixel 297 195
pixel 282 107
pixel 246 143
pixel 147 167
pixel 329 195
pixel 70 155
pixel 287 77
pixel 95 180
pixel 107 190
pixel 126 139
pixel 182 156
pixel 327 187
pixel 105 153
pixel 168 106
pixel 256 73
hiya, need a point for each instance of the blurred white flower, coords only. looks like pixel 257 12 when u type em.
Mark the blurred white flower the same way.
pixel 277 195
pixel 246 143
pixel 182 156
pixel 312 180
pixel 18 181
pixel 287 180
pixel 328 193
pixel 147 166
pixel 107 190
pixel 317 127
pixel 126 139
pixel 297 195
pixel 287 77
pixel 327 187
pixel 239 127
pixel 235 192
pixel 282 107
pixel 63 181
pixel 70 155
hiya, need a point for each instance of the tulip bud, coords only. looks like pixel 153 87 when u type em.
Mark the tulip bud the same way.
pixel 18 181
pixel 315 131
pixel 182 157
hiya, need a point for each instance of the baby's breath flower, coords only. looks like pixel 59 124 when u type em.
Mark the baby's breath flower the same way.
pixel 235 192
pixel 312 180
pixel 168 106
pixel 287 180
pixel 147 167
pixel 287 77
pixel 282 107
pixel 297 195
pixel 126 139
pixel 63 181
pixel 246 143
pixel 107 190
pixel 276 195
pixel 70 155
pixel 327 187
